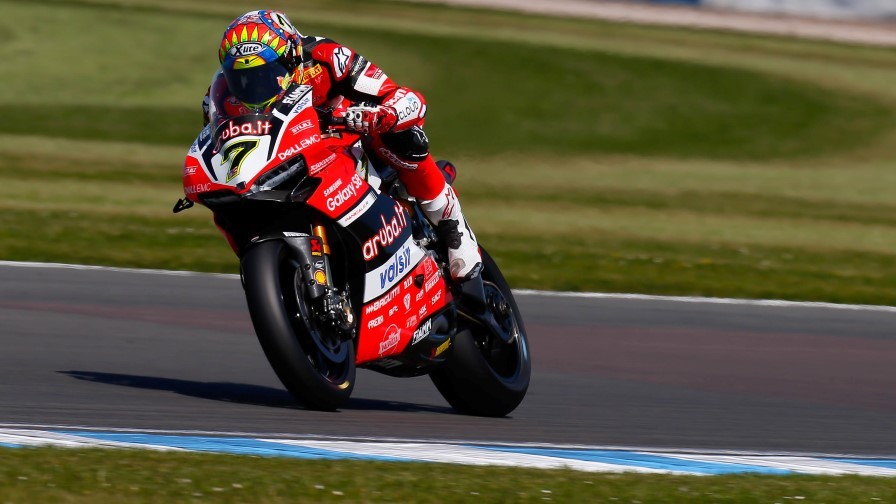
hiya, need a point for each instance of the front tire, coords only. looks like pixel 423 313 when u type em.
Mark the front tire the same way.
pixel 486 374
pixel 318 368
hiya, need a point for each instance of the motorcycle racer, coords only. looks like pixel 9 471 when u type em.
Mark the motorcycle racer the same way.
pixel 262 54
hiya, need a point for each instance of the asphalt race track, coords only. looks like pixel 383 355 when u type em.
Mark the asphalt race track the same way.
pixel 129 349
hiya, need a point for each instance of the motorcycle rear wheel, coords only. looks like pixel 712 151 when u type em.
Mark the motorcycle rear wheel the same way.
pixel 484 374
pixel 316 367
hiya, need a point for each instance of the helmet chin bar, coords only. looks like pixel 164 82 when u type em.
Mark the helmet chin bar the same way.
pixel 260 107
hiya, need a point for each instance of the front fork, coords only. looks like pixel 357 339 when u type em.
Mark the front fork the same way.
pixel 329 305
pixel 335 305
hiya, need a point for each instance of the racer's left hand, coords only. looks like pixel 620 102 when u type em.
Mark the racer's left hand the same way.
pixel 370 118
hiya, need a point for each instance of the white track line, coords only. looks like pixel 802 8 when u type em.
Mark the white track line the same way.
pixel 279 436
pixel 592 459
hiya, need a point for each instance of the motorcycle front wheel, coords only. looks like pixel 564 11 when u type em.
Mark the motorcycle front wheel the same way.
pixel 488 368
pixel 315 365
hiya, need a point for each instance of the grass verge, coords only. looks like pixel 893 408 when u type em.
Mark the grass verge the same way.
pixel 100 476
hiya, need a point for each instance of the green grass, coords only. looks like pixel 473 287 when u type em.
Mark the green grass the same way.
pixel 592 155
pixel 101 476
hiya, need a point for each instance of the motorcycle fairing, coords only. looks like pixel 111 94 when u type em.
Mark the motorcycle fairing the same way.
pixel 232 153
pixel 343 188
pixel 389 321
pixel 402 284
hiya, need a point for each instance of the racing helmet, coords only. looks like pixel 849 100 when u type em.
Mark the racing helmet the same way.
pixel 259 54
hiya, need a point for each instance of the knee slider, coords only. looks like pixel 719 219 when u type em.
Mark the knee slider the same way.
pixel 411 144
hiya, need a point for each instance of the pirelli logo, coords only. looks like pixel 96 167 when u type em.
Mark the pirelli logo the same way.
pixel 311 73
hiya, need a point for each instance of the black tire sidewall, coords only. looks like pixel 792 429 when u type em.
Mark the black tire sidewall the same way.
pixel 278 335
pixel 468 382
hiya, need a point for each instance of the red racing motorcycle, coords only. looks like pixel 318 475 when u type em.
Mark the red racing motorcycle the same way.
pixel 342 270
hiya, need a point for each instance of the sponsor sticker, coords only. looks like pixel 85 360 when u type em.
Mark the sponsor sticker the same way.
pixel 206 134
pixel 422 331
pixel 389 275
pixel 320 165
pixel 390 341
pixel 307 142
pixel 345 194
pixel 358 65
pixel 306 124
pixel 246 49
pixel 257 128
pixel 383 301
pixel 401 93
pixel 375 322
pixel 409 111
pixel 304 144
pixel 388 233
pixel 431 283
pixel 407 302
pixel 317 248
pixel 320 277
pixel 311 73
pixel 373 71
pixel 197 188
pixel 395 160
pixel 441 348
pixel 297 93
pixel 396 267
pixel 359 210
pixel 335 185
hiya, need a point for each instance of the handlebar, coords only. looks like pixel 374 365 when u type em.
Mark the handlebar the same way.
pixel 331 120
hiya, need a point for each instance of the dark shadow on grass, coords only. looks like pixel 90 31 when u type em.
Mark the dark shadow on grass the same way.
pixel 240 393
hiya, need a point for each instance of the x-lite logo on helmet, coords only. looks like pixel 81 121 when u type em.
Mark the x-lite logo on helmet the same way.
pixel 246 49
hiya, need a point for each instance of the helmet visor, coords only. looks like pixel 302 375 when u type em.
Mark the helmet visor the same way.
pixel 257 86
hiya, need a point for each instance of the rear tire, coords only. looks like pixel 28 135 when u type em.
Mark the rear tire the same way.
pixel 316 367
pixel 483 374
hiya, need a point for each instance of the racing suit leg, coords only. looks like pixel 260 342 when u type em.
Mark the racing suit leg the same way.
pixel 408 152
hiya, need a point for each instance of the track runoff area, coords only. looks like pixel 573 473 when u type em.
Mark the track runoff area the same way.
pixel 611 459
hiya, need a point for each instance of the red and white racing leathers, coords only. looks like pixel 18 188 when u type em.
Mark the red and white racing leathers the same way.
pixel 334 71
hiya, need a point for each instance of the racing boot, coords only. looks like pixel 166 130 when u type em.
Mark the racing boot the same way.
pixel 464 260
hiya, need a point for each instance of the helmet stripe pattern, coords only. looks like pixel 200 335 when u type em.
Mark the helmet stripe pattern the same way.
pixel 271 28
